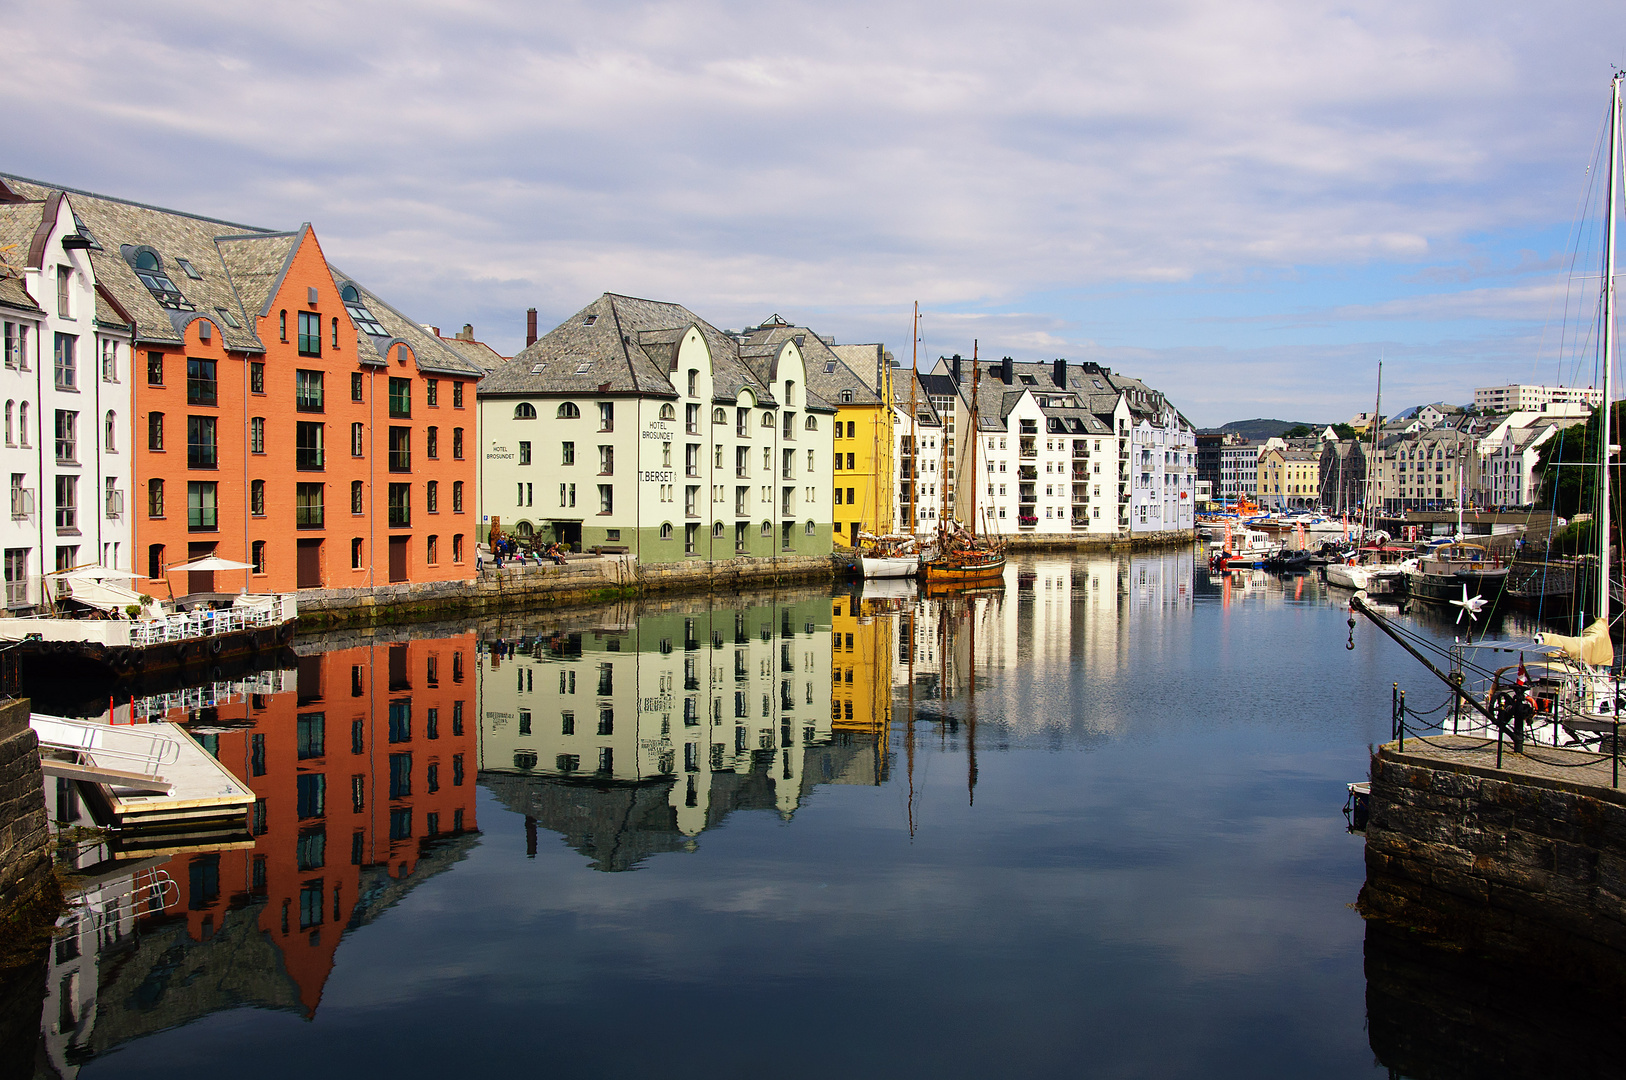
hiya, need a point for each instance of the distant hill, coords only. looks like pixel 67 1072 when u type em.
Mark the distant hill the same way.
pixel 1261 428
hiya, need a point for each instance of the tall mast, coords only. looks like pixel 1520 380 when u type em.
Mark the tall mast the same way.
pixel 1373 477
pixel 914 449
pixel 1608 350
pixel 976 378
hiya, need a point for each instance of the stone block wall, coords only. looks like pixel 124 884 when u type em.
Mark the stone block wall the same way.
pixel 1528 871
pixel 577 581
pixel 25 864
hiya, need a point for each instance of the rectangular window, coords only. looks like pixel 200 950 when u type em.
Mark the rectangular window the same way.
pixel 400 449
pixel 256 435
pixel 308 452
pixel 569 455
pixel 310 732
pixel 357 500
pixel 155 498
pixel 355 386
pixel 155 431
pixel 311 794
pixel 400 506
pixel 431 392
pixel 606 498
pixel 357 556
pixel 431 445
pixel 400 717
pixel 606 416
pixel 110 361
pixel 431 498
pixel 67 364
pixel 457 443
pixel 308 391
pixel 200 442
pixel 200 506
pixel 400 398
pixel 308 511
pixel 606 461
pixel 457 394
pixel 310 333
pixel 457 551
pixel 358 440
pixel 155 369
pixel 67 438
pixel 457 507
pixel 431 557
pixel 524 452
pixel 201 388
pixel 256 377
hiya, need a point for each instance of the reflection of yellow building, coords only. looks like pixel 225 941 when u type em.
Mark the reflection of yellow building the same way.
pixel 852 378
pixel 862 640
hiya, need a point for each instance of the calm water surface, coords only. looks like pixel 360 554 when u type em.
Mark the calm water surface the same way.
pixel 781 836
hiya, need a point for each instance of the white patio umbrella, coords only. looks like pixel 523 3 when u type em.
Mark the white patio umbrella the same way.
pixel 94 573
pixel 211 562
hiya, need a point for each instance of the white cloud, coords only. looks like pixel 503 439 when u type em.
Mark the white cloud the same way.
pixel 473 159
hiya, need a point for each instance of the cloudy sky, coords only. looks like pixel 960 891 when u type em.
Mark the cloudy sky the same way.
pixel 1244 203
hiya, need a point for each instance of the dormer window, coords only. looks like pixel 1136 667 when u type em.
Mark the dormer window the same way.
pixel 846 397
pixel 359 314
pixel 590 320
pixel 150 269
pixel 188 269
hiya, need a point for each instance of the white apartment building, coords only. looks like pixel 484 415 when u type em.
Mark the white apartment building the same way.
pixel 1069 449
pixel 916 453
pixel 1239 471
pixel 65 385
pixel 636 426
pixel 1510 454
pixel 1528 396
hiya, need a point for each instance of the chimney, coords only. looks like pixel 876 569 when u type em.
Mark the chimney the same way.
pixel 467 333
pixel 1007 371
pixel 955 361
pixel 530 327
pixel 1058 374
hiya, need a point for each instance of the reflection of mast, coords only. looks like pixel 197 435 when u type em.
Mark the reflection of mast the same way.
pixel 971 701
pixel 909 729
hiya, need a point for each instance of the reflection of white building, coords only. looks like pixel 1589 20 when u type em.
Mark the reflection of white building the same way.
pixel 681 696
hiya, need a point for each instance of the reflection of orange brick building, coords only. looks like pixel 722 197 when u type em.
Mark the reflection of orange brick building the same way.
pixel 370 760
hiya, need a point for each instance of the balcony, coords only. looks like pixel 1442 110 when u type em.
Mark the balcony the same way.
pixel 1027 521
pixel 1028 494
pixel 1081 449
pixel 1081 470
pixel 1027 448
pixel 1027 472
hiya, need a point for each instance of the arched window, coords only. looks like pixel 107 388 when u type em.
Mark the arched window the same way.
pixel 767 528
pixel 667 412
pixel 719 416
pixel 109 428
pixel 717 530
pixel 525 411
pixel 666 530
pixel 282 324
pixel 767 418
pixel 22 423
pixel 846 397
pixel 810 528
pixel 9 439
pixel 523 530
pixel 812 423
pixel 567 411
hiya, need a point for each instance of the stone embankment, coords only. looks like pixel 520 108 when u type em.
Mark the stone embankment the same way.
pixel 1021 542
pixel 1524 865
pixel 582 580
pixel 28 889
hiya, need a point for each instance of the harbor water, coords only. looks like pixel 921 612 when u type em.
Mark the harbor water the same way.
pixel 1086 824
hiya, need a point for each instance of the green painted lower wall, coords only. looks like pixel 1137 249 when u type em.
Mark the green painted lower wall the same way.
pixel 650 547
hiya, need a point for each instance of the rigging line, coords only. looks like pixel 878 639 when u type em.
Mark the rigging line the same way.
pixel 1577 223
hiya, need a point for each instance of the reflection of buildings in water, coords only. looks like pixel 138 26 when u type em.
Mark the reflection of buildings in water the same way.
pixel 697 701
pixel 363 784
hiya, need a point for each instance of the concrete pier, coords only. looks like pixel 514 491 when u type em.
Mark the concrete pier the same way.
pixel 1524 864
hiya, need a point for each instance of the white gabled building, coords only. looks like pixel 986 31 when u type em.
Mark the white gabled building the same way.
pixel 65 389
pixel 1067 449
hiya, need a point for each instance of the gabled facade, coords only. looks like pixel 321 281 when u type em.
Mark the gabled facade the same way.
pixel 851 378
pixel 66 452
pixel 637 426
pixel 283 415
pixel 1423 470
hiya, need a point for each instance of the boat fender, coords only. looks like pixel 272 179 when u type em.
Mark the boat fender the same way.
pixel 214 673
pixel 214 647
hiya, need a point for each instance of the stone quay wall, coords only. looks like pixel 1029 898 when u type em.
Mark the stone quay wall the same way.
pixel 26 881
pixel 578 581
pixel 1527 871
pixel 1018 543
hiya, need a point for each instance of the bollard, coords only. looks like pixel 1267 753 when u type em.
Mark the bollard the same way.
pixel 1402 721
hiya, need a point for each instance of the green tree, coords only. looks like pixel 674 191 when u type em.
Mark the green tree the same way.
pixel 1343 431
pixel 1569 486
pixel 1298 431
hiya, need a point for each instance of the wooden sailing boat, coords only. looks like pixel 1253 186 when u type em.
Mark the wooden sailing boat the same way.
pixel 962 557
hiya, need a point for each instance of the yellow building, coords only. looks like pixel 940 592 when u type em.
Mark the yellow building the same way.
pixel 852 379
pixel 1289 476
